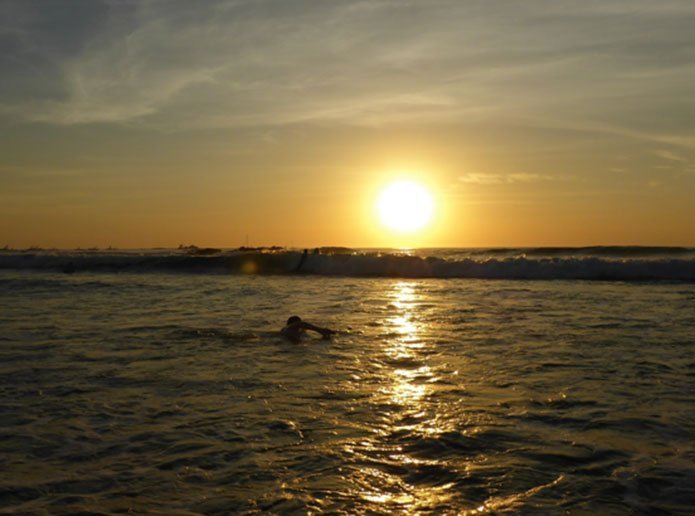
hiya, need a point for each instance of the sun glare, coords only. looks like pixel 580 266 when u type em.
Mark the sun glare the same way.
pixel 405 206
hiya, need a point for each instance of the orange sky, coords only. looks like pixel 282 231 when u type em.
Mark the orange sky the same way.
pixel 534 123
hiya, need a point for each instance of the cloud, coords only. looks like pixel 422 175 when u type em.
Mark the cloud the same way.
pixel 180 64
pixel 671 156
pixel 493 179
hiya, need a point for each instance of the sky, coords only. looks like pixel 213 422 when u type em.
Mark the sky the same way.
pixel 221 123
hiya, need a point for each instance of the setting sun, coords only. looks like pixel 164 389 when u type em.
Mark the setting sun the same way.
pixel 405 206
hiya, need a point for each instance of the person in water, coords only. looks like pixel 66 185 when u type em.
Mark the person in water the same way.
pixel 295 328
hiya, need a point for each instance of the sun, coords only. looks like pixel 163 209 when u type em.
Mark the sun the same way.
pixel 405 206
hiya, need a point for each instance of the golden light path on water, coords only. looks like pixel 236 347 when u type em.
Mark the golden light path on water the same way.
pixel 407 384
pixel 404 390
pixel 411 392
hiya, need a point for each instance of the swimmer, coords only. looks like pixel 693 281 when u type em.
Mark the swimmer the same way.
pixel 295 328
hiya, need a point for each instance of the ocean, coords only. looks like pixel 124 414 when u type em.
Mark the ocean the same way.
pixel 461 381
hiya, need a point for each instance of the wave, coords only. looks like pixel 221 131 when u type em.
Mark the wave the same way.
pixel 611 251
pixel 591 251
pixel 358 264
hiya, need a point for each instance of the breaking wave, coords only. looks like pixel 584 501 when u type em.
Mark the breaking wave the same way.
pixel 617 264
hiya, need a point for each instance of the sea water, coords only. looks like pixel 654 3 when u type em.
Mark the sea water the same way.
pixel 159 383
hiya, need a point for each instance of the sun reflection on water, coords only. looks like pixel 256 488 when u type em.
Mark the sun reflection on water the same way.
pixel 409 375
pixel 409 415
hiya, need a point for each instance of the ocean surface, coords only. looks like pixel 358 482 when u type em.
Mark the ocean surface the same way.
pixel 462 381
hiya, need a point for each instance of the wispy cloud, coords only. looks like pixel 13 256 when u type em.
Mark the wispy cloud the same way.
pixel 182 64
pixel 671 156
pixel 495 179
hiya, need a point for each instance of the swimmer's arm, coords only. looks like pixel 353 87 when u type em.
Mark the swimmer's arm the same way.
pixel 323 331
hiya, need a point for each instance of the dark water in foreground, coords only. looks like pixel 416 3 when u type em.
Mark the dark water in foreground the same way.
pixel 173 394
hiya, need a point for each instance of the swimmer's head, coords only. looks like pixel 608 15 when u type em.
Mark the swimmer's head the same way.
pixel 294 319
